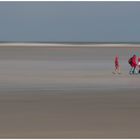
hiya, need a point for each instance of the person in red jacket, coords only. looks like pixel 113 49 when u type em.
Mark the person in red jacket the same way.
pixel 133 64
pixel 117 65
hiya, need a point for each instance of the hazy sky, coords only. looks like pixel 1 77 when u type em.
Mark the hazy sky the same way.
pixel 69 21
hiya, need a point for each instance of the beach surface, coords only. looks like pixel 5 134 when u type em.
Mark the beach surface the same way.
pixel 68 92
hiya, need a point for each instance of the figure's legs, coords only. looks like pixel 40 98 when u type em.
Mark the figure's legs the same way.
pixel 139 69
pixel 115 70
pixel 118 69
pixel 131 70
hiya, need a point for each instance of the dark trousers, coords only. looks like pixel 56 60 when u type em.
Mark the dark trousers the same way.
pixel 132 70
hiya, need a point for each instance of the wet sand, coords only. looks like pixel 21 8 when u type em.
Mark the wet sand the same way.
pixel 68 92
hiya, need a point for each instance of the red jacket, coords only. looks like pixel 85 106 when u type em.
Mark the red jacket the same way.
pixel 116 61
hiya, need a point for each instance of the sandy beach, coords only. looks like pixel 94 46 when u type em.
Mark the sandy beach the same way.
pixel 68 92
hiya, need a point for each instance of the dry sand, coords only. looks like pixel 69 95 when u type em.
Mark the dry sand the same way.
pixel 67 92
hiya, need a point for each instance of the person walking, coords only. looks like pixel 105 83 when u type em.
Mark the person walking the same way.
pixel 117 65
pixel 133 64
